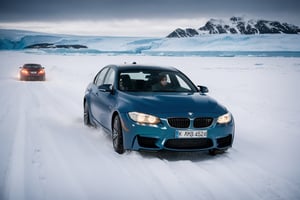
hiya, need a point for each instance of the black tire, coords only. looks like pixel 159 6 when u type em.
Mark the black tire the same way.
pixel 117 135
pixel 86 115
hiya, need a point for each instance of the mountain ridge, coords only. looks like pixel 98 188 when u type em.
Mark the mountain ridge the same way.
pixel 237 25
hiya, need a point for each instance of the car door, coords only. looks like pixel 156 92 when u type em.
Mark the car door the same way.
pixel 107 100
pixel 95 101
pixel 103 101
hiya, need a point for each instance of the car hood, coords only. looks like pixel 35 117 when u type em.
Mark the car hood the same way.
pixel 155 103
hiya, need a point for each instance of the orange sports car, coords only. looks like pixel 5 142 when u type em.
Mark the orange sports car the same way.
pixel 31 71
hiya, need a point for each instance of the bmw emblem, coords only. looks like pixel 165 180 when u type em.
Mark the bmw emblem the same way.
pixel 190 114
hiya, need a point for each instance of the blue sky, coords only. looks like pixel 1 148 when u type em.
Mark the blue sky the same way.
pixel 136 17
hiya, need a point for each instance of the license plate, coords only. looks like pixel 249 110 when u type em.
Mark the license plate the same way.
pixel 192 134
pixel 33 72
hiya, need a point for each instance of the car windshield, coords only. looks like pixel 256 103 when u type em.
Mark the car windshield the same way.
pixel 154 81
pixel 32 66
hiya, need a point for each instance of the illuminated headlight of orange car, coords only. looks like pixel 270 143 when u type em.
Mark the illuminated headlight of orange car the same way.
pixel 24 71
pixel 41 72
pixel 143 118
pixel 224 119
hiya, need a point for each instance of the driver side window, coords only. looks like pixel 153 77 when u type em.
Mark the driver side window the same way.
pixel 110 77
pixel 99 79
pixel 182 83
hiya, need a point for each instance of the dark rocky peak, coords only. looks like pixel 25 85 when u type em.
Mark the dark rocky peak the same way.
pixel 236 19
pixel 237 25
pixel 189 32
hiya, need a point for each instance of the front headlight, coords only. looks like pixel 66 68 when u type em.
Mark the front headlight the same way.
pixel 223 119
pixel 143 118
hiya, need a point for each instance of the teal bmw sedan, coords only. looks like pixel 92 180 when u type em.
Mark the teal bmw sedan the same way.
pixel 156 108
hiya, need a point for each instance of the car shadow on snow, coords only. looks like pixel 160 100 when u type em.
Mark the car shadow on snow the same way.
pixel 182 156
pixel 193 156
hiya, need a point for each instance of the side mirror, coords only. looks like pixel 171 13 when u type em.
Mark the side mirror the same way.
pixel 203 89
pixel 105 88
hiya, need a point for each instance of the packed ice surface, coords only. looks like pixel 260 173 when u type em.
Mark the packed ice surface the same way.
pixel 47 153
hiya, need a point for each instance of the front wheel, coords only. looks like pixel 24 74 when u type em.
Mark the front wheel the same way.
pixel 117 135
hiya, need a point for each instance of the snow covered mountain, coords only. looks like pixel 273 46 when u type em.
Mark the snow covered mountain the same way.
pixel 237 25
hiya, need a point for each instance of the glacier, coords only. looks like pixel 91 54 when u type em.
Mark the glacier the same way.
pixel 221 45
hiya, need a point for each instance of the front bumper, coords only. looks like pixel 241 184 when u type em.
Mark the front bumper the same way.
pixel 33 77
pixel 163 136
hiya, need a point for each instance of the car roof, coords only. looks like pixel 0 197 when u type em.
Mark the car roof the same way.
pixel 126 67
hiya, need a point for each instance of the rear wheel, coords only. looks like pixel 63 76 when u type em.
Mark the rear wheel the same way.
pixel 117 135
pixel 86 115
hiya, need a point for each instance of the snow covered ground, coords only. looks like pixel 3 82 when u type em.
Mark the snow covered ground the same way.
pixel 47 153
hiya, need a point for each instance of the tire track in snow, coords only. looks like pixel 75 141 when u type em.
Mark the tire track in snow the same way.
pixel 38 150
pixel 7 131
pixel 15 178
pixel 55 170
pixel 53 122
pixel 26 175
